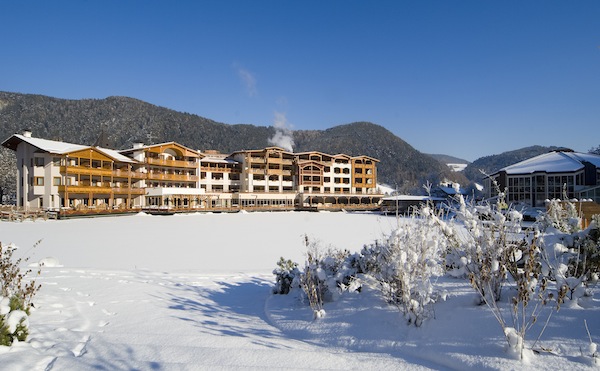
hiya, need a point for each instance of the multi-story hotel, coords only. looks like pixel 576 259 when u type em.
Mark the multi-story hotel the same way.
pixel 169 176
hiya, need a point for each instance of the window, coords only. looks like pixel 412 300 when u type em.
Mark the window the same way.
pixel 56 181
pixel 519 189
pixel 39 161
pixel 38 181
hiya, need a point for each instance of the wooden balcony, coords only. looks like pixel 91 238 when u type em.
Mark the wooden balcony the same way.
pixel 279 172
pixel 129 174
pixel 310 172
pixel 257 160
pixel 173 177
pixel 311 182
pixel 171 163
pixel 100 189
pixel 84 170
pixel 104 172
pixel 282 161
pixel 216 169
pixel 258 171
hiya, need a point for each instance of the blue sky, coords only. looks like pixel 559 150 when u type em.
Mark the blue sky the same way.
pixel 464 78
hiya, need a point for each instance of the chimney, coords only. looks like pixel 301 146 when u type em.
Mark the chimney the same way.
pixel 27 133
pixel 138 145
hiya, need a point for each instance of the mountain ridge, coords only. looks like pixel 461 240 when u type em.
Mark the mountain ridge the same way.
pixel 124 121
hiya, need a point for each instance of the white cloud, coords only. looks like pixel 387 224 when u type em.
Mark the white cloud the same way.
pixel 247 79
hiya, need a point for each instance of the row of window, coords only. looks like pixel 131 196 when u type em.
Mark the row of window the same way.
pixel 540 187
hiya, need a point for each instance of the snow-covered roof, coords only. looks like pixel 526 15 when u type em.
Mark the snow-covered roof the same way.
pixel 60 148
pixel 51 146
pixel 553 162
pixel 158 145
pixel 115 154
pixel 215 160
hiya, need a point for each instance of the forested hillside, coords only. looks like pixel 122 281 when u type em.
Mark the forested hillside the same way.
pixel 126 120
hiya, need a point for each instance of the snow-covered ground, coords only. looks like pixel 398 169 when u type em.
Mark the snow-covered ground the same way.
pixel 193 292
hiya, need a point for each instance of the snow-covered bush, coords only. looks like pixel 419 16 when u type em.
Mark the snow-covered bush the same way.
pixel 405 263
pixel 15 297
pixel 327 274
pixel 572 259
pixel 489 245
pixel 586 249
pixel 481 237
pixel 287 276
pixel 561 215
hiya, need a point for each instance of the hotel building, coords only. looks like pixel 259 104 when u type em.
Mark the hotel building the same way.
pixel 82 179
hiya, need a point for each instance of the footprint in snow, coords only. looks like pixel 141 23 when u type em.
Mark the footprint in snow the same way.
pixel 108 313
pixel 80 349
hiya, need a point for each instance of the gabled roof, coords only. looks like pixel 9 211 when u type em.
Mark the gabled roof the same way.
pixel 115 155
pixel 342 155
pixel 303 163
pixel 185 150
pixel 264 150
pixel 60 148
pixel 313 152
pixel 50 146
pixel 553 162
pixel 368 157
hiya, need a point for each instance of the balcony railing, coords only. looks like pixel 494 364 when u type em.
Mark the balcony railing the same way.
pixel 172 163
pixel 258 160
pixel 129 174
pixel 215 169
pixel 279 172
pixel 310 182
pixel 86 170
pixel 310 172
pixel 100 189
pixel 91 171
pixel 174 177
pixel 277 160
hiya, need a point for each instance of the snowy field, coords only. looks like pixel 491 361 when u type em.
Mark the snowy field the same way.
pixel 193 292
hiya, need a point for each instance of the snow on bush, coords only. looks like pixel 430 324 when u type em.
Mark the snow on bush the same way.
pixel 488 243
pixel 560 215
pixel 287 276
pixel 405 263
pixel 570 256
pixel 326 274
pixel 481 238
pixel 15 297
pixel 539 268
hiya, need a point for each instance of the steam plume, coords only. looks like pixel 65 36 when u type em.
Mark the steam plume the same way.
pixel 283 133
